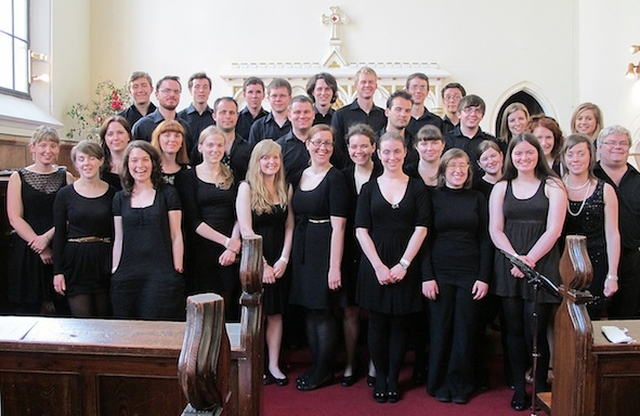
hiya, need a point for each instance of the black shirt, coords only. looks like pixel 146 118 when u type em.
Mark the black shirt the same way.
pixel 143 129
pixel 456 139
pixel 628 193
pixel 326 119
pixel 238 158
pixel 295 156
pixel 346 117
pixel 447 125
pixel 132 114
pixel 197 122
pixel 246 120
pixel 267 128
pixel 415 124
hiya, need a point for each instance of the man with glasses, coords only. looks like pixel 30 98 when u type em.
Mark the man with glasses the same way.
pixel 168 91
pixel 276 124
pixel 452 93
pixel 140 88
pixel 418 86
pixel 468 135
pixel 613 147
pixel 198 115
pixel 295 157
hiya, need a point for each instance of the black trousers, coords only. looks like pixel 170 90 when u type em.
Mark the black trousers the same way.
pixel 387 345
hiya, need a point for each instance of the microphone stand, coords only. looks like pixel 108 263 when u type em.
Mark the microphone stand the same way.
pixel 537 280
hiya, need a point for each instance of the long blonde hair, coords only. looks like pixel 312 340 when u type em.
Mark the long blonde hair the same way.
pixel 225 172
pixel 260 198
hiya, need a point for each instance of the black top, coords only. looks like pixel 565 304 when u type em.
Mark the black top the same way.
pixel 295 157
pixel 77 216
pixel 628 205
pixel 143 129
pixel 415 124
pixel 196 121
pixel 346 117
pixel 456 139
pixel 267 128
pixel 238 158
pixel 246 120
pixel 112 179
pixel 447 125
pixel 326 119
pixel 483 186
pixel 458 238
pixel 132 115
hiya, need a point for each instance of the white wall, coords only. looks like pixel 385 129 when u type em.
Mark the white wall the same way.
pixel 565 52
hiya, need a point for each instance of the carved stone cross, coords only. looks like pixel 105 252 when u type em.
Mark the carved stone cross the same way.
pixel 337 17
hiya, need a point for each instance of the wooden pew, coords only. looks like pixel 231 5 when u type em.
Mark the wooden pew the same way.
pixel 591 375
pixel 69 367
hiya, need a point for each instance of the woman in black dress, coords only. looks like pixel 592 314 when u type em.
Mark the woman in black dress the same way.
pixel 30 196
pixel 593 212
pixel 263 205
pixel 147 269
pixel 209 194
pixel 115 135
pixel 320 205
pixel 456 278
pixel 526 214
pixel 361 146
pixel 168 139
pixel 391 223
pixel 83 233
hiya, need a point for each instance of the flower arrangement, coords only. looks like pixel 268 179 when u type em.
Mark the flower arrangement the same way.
pixel 88 118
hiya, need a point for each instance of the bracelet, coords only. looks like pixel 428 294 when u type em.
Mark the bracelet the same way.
pixel 404 263
pixel 612 278
pixel 226 242
pixel 284 259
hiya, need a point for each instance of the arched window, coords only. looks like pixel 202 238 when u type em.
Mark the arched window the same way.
pixel 527 99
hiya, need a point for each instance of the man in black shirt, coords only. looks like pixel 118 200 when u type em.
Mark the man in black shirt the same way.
pixel 237 150
pixel 398 114
pixel 452 93
pixel 253 93
pixel 198 115
pixel 613 146
pixel 468 134
pixel 276 124
pixel 140 88
pixel 322 88
pixel 295 157
pixel 418 86
pixel 168 91
pixel 361 110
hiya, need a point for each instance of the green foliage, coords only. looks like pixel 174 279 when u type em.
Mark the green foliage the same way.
pixel 88 118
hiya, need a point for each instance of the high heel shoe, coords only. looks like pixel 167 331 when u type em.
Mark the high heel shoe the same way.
pixel 271 379
pixel 393 396
pixel 380 396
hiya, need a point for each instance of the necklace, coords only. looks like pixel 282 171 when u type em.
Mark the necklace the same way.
pixel 584 201
pixel 577 188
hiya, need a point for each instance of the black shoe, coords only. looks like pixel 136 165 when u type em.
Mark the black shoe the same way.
pixel 348 381
pixel 380 396
pixel 393 396
pixel 308 385
pixel 371 380
pixel 269 378
pixel 443 397
pixel 460 399
pixel 518 402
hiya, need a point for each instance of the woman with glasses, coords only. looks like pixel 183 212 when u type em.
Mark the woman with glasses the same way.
pixel 456 279
pixel 320 203
pixel 392 217
pixel 593 212
pixel 526 213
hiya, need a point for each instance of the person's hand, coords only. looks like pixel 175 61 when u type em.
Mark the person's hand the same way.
pixel 383 275
pixel 234 245
pixel 59 285
pixel 430 289
pixel 227 258
pixel 268 275
pixel 610 287
pixel 279 268
pixel 334 278
pixel 39 243
pixel 479 290
pixel 47 256
pixel 397 273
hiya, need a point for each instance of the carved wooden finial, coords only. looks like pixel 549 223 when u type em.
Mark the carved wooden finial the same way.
pixel 251 266
pixel 575 266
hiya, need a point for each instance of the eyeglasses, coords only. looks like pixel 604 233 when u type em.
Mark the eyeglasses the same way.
pixel 320 143
pixel 418 88
pixel 454 166
pixel 471 110
pixel 623 143
pixel 452 97
pixel 168 91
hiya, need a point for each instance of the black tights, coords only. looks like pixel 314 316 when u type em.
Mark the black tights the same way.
pixel 321 335
pixel 518 316
pixel 387 344
pixel 93 305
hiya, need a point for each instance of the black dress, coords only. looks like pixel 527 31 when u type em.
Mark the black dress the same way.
pixel 145 284
pixel 271 226
pixel 390 227
pixel 312 241
pixel 112 179
pixel 590 223
pixel 208 203
pixel 30 280
pixel 86 266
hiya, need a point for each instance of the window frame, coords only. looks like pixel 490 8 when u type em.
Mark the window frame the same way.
pixel 13 91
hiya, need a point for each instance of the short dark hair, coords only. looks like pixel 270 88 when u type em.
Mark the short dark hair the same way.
pixel 398 94
pixel 472 100
pixel 198 75
pixel 252 81
pixel 300 99
pixel 419 75
pixel 168 78
pixel 279 83
pixel 362 129
pixel 139 74
pixel 222 99
pixel 453 85
pixel 329 79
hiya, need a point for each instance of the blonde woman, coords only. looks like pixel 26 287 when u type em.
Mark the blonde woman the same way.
pixel 587 120
pixel 263 207
pixel 514 121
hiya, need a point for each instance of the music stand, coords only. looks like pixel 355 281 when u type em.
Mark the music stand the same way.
pixel 537 280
